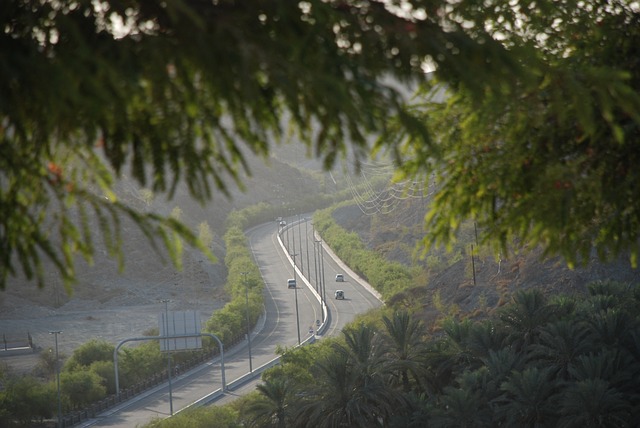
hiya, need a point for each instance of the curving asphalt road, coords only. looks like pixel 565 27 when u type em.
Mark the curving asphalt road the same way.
pixel 279 326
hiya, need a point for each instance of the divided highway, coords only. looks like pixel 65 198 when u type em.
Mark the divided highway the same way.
pixel 280 326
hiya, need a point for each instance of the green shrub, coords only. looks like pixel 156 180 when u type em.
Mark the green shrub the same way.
pixel 24 400
pixel 81 387
pixel 106 371
pixel 88 353
pixel 243 280
pixel 203 417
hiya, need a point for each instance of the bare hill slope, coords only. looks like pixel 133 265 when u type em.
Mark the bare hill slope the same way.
pixel 112 305
pixel 454 283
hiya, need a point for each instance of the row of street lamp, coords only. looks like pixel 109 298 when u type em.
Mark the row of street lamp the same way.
pixel 318 260
pixel 56 333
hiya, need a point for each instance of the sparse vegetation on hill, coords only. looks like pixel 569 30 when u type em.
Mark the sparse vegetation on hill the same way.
pixel 451 282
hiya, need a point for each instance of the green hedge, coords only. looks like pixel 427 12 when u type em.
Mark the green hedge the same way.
pixel 243 277
pixel 387 277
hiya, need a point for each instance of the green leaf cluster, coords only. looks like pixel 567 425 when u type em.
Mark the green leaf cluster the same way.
pixel 25 399
pixel 178 92
pixel 135 363
pixel 550 157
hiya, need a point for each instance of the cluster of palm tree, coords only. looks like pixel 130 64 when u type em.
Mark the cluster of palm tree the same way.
pixel 537 362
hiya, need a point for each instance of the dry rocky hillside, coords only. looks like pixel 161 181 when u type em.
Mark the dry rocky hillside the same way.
pixel 447 290
pixel 112 305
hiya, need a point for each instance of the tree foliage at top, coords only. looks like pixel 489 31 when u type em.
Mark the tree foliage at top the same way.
pixel 179 91
pixel 552 160
pixel 174 91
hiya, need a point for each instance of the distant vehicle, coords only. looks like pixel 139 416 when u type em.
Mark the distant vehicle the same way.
pixel 291 283
pixel 339 294
pixel 283 223
pixel 339 277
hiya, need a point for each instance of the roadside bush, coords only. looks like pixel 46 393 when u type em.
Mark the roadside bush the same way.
pixel 139 363
pixel 243 280
pixel 81 387
pixel 47 363
pixel 203 417
pixel 24 400
pixel 88 353
pixel 106 371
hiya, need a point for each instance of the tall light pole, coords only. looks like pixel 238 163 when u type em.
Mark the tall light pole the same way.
pixel 324 286
pixel 293 239
pixel 166 341
pixel 306 240
pixel 286 231
pixel 296 294
pixel 300 245
pixel 315 266
pixel 246 291
pixel 318 285
pixel 56 333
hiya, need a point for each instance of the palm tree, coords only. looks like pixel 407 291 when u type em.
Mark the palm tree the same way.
pixel 449 356
pixel 417 414
pixel 460 347
pixel 352 388
pixel 618 367
pixel 485 337
pixel 499 365
pixel 405 335
pixel 438 368
pixel 612 327
pixel 609 294
pixel 607 288
pixel 274 406
pixel 324 402
pixel 594 403
pixel 527 400
pixel 525 316
pixel 461 408
pixel 559 344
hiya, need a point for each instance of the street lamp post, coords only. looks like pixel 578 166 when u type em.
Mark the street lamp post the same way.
pixel 315 260
pixel 315 266
pixel 296 294
pixel 300 245
pixel 246 290
pixel 293 239
pixel 56 333
pixel 318 285
pixel 306 240
pixel 166 341
pixel 324 285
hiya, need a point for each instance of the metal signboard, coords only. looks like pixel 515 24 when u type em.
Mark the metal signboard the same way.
pixel 178 323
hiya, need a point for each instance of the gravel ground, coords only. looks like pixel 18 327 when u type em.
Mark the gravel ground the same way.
pixel 106 305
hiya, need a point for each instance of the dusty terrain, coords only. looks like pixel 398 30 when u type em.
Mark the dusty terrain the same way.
pixel 112 305
pixel 106 304
pixel 457 289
